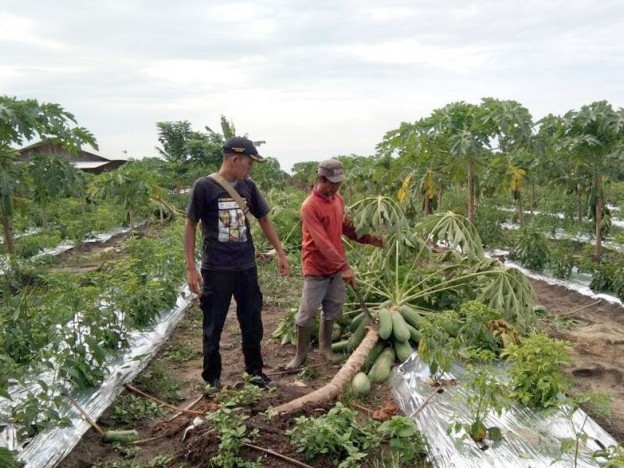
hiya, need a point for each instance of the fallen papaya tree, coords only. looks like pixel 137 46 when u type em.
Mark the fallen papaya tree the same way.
pixel 340 380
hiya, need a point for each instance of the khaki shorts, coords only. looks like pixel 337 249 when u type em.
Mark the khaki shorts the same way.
pixel 326 292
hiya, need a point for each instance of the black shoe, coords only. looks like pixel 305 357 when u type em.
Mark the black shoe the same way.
pixel 212 387
pixel 261 380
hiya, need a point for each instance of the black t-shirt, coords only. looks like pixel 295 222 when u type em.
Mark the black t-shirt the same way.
pixel 227 238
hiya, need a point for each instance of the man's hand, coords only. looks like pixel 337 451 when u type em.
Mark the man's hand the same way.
pixel 348 276
pixel 284 267
pixel 194 280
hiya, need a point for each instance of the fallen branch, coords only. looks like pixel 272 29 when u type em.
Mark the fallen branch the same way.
pixel 355 404
pixel 292 461
pixel 340 380
pixel 187 408
pixel 578 309
pixel 298 369
pixel 160 402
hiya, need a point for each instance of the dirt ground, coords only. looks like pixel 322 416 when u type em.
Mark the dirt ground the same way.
pixel 594 328
pixel 597 335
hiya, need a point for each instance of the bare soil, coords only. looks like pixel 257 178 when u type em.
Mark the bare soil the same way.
pixel 598 354
pixel 597 336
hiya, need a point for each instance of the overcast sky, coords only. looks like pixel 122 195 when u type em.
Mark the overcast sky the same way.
pixel 315 79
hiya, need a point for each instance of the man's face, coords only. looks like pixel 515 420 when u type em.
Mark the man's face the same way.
pixel 243 165
pixel 328 188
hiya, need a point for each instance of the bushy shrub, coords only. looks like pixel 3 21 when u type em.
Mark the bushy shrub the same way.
pixel 531 249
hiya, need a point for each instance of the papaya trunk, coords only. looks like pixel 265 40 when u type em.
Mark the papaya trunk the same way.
pixel 8 235
pixel 599 208
pixel 340 380
pixel 471 192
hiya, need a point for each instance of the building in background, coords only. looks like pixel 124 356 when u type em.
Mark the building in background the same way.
pixel 83 160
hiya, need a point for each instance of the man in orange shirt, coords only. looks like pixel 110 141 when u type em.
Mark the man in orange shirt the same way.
pixel 325 266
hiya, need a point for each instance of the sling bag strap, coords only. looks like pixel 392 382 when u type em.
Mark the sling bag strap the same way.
pixel 234 194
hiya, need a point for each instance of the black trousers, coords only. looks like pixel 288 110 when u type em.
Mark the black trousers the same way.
pixel 216 295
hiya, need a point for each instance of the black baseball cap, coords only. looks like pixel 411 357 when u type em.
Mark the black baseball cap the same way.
pixel 243 146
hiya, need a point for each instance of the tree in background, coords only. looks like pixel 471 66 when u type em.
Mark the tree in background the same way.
pixel 512 125
pixel 269 175
pixel 304 174
pixel 52 177
pixel 593 138
pixel 130 186
pixel 21 121
pixel 182 145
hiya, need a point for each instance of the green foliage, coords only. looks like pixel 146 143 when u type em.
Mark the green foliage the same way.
pixel 531 249
pixel 508 290
pixel 561 261
pixel 608 275
pixel 596 402
pixel 269 175
pixel 23 120
pixel 157 380
pixel 229 424
pixel 181 144
pixel 610 457
pixel 53 178
pixel 7 460
pixel 437 348
pixel 159 461
pixel 129 187
pixel 129 409
pixel 455 231
pixel 28 246
pixel 536 375
pixel 348 441
pixel 486 396
pixel 39 410
pixel 286 330
pixel 475 330
pixel 248 395
pixel 404 439
pixel 488 225
pixel 181 352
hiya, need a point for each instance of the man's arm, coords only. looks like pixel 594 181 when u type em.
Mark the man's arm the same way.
pixel 333 260
pixel 348 229
pixel 271 234
pixel 194 278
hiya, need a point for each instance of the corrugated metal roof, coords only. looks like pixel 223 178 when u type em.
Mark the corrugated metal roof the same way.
pixel 89 164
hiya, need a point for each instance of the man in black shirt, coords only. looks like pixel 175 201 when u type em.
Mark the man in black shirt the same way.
pixel 228 259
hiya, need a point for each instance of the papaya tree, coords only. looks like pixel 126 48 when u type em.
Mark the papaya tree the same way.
pixel 52 177
pixel 20 122
pixel 593 138
pixel 421 164
pixel 130 187
pixel 512 126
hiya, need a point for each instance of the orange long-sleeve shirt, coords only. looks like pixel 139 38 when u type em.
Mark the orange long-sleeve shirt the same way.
pixel 324 224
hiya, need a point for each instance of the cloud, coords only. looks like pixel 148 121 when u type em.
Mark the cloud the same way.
pixel 15 29
pixel 314 79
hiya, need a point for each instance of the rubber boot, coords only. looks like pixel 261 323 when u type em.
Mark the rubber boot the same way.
pixel 303 345
pixel 325 341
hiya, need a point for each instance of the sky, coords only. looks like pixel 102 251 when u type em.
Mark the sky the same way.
pixel 314 79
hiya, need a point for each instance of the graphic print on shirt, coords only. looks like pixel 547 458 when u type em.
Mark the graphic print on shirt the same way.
pixel 232 227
